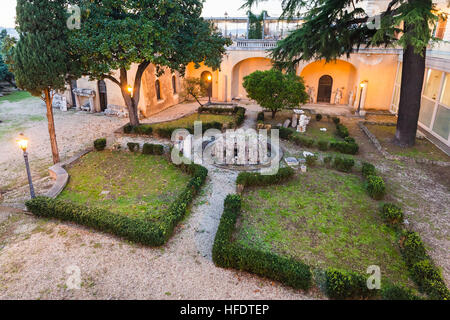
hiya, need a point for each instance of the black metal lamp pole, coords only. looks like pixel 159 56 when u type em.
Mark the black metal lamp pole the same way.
pixel 23 143
pixel 30 182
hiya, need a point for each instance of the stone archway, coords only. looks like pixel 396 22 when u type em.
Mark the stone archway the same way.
pixel 207 78
pixel 242 69
pixel 335 78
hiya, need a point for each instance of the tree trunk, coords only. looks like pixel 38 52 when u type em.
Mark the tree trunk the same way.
pixel 132 99
pixel 410 97
pixel 273 114
pixel 51 125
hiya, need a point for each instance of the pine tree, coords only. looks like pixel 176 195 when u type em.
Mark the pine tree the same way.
pixel 41 58
pixel 333 28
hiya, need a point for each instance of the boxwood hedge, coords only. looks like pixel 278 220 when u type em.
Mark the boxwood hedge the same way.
pixel 142 230
pixel 228 254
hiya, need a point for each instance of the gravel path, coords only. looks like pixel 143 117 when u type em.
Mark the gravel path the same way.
pixel 35 255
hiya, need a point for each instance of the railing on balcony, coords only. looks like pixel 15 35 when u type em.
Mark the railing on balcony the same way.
pixel 253 44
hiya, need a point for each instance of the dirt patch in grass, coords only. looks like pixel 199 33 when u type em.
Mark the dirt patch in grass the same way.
pixel 324 218
pixel 125 183
pixel 423 149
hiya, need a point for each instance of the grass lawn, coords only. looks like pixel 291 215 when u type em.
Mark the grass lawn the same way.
pixel 16 96
pixel 323 218
pixel 138 185
pixel 422 149
pixel 188 121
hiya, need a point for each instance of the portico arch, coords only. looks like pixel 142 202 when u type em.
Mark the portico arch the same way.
pixel 242 69
pixel 340 75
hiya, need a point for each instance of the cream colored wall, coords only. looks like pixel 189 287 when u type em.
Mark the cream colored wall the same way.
pixel 342 72
pixel 243 69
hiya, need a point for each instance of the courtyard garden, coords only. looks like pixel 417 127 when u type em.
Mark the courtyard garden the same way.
pixel 140 197
pixel 211 117
pixel 423 148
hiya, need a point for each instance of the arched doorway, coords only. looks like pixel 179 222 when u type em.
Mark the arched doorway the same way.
pixel 206 77
pixel 324 89
pixel 102 94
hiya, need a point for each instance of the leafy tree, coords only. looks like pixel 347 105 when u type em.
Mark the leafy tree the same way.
pixel 5 74
pixel 194 88
pixel 274 90
pixel 333 28
pixel 115 34
pixel 41 60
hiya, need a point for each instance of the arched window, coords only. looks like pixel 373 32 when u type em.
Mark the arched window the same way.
pixel 174 84
pixel 158 89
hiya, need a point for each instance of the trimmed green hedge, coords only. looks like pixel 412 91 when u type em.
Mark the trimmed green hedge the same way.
pixel 395 292
pixel 368 169
pixel 375 187
pixel 345 147
pixel 343 164
pixel 132 146
pixel 392 214
pixel 342 284
pixel 228 254
pixel 256 179
pixel 100 144
pixel 142 230
pixel 422 269
pixel 156 149
pixel 260 116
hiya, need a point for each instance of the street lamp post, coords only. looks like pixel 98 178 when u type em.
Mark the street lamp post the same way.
pixel 209 88
pixel 23 144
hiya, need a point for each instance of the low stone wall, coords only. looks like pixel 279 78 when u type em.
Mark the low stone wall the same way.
pixel 389 156
pixel 59 174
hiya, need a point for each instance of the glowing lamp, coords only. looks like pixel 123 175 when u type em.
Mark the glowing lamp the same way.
pixel 209 78
pixel 130 89
pixel 22 141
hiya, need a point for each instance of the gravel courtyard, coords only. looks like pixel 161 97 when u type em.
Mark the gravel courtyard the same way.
pixel 36 255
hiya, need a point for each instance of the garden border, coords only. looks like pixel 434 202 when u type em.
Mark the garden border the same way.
pixel 387 155
pixel 136 229
pixel 339 283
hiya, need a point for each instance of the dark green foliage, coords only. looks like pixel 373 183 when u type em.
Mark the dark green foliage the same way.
pixel 350 140
pixel 423 271
pixel 375 187
pixel 227 254
pixel 343 164
pixel 217 110
pixel 336 120
pixel 368 169
pixel 301 140
pixel 142 230
pixel 392 214
pixel 342 131
pixel 311 160
pixel 285 133
pixel 274 90
pixel 323 145
pixel 412 248
pixel 395 292
pixel 257 179
pixel 260 116
pixel 318 117
pixel 240 115
pixel 429 279
pixel 133 146
pixel 345 284
pixel 327 160
pixel 345 147
pixel 144 129
pixel 6 43
pixel 115 34
pixel 255 25
pixel 156 149
pixel 100 144
pixel 43 58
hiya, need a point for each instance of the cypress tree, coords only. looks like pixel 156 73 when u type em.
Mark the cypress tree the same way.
pixel 41 59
